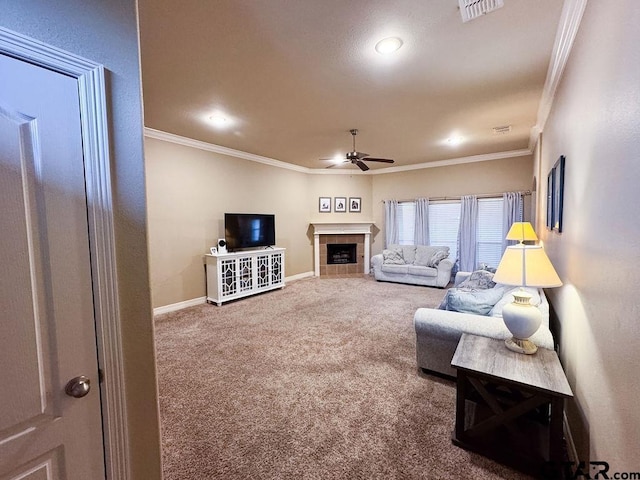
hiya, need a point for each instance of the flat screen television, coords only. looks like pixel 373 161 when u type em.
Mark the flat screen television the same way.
pixel 249 230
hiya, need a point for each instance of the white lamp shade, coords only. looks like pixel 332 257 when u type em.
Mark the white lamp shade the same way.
pixel 522 232
pixel 526 266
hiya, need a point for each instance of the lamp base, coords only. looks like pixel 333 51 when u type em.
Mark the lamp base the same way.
pixel 521 345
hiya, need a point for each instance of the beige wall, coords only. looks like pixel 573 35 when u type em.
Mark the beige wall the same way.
pixel 355 185
pixel 494 176
pixel 109 35
pixel 189 190
pixel 595 122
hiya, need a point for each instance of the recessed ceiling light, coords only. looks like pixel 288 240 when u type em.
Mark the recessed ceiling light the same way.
pixel 454 141
pixel 219 120
pixel 388 45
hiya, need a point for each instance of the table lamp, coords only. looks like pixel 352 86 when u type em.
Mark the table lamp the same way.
pixel 522 232
pixel 524 266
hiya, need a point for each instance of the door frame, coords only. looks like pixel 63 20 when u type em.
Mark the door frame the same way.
pixel 95 145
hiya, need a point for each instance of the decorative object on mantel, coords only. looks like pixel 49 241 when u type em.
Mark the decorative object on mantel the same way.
pixel 525 266
pixel 340 204
pixel 555 195
pixel 324 204
pixel 354 204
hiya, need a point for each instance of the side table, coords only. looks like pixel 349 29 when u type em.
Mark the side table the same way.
pixel 509 405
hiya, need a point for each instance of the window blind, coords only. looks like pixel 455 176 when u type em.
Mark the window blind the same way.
pixel 406 222
pixel 444 221
pixel 489 231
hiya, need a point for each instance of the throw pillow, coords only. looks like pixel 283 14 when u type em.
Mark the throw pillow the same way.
pixel 484 266
pixel 424 254
pixel 408 252
pixel 392 257
pixel 478 280
pixel 479 302
pixel 438 256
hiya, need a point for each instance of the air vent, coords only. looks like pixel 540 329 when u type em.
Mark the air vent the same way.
pixel 501 130
pixel 470 9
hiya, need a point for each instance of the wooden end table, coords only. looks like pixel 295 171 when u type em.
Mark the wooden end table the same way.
pixel 509 405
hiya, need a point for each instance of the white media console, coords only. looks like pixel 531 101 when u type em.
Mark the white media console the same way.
pixel 240 274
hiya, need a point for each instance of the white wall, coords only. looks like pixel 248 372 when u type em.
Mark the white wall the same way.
pixel 595 123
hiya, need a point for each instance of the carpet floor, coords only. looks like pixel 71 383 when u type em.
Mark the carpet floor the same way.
pixel 314 381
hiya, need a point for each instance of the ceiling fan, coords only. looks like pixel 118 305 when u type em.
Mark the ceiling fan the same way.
pixel 358 158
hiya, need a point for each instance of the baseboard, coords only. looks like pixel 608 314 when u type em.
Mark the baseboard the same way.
pixel 179 306
pixel 199 301
pixel 571 446
pixel 298 276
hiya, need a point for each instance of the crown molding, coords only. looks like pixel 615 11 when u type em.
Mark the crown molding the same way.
pixel 210 147
pixel 456 161
pixel 570 19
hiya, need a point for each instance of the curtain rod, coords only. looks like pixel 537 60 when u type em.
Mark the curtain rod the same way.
pixel 482 195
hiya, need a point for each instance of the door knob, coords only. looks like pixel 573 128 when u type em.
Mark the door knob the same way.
pixel 78 387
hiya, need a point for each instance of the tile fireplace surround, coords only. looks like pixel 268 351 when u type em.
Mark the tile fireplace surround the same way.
pixel 347 232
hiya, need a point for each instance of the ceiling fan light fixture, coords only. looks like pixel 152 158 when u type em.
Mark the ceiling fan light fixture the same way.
pixel 388 45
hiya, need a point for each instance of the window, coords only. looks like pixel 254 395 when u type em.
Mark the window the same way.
pixel 489 231
pixel 406 223
pixel 444 221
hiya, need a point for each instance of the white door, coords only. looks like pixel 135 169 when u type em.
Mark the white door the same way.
pixel 47 327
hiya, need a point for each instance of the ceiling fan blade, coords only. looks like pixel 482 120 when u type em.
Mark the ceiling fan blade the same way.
pixel 384 160
pixel 362 165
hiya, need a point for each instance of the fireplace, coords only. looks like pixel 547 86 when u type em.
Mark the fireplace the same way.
pixel 341 253
pixel 330 236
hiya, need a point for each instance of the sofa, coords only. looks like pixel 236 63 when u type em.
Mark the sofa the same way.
pixel 417 265
pixel 438 330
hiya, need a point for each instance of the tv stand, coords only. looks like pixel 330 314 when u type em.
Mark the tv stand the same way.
pixel 239 274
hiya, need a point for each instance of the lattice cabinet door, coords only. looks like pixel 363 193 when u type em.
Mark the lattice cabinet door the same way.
pixel 262 274
pixel 228 269
pixel 276 268
pixel 245 274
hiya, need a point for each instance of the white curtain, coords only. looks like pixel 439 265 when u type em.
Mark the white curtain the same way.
pixel 467 233
pixel 511 212
pixel 421 232
pixel 391 222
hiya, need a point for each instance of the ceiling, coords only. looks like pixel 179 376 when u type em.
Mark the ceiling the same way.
pixel 292 77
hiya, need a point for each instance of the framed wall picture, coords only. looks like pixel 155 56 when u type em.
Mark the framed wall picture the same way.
pixel 324 205
pixel 340 204
pixel 550 179
pixel 558 193
pixel 354 204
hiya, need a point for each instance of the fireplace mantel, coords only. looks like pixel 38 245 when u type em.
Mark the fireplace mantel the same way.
pixel 341 228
